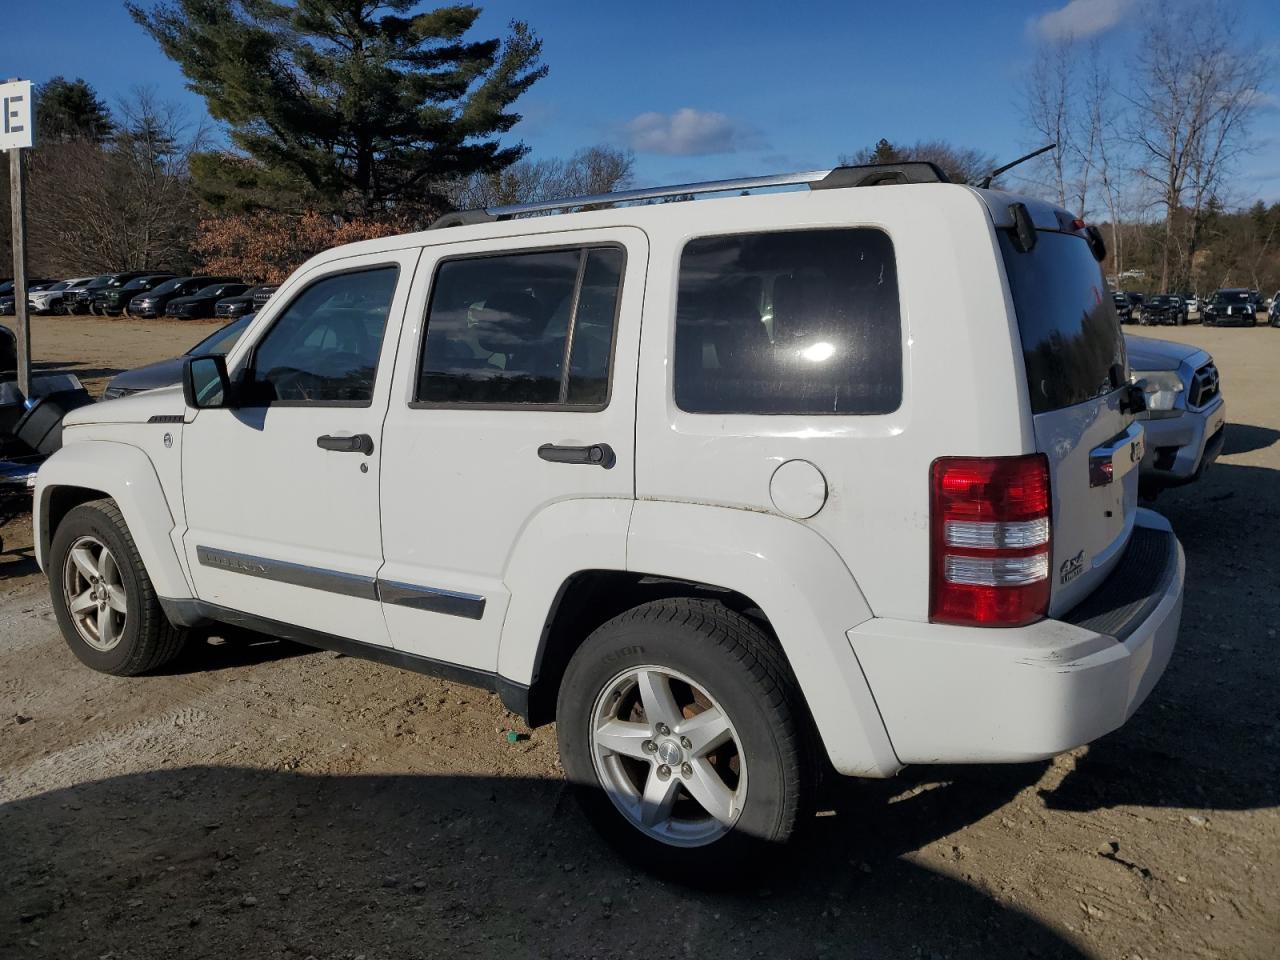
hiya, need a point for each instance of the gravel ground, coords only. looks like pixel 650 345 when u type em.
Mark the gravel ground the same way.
pixel 261 800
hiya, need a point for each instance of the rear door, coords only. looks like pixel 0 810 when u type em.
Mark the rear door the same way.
pixel 515 390
pixel 1075 362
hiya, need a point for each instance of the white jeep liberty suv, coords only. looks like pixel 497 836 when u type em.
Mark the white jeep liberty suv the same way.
pixel 736 491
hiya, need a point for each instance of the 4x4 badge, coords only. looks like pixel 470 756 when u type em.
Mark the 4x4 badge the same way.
pixel 1071 568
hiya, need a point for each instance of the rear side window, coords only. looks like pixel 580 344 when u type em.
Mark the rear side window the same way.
pixel 1071 340
pixel 522 329
pixel 798 322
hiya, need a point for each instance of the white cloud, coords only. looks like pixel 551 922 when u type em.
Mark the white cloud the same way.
pixel 1080 19
pixel 686 133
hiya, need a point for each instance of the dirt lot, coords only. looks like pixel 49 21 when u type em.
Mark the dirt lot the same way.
pixel 261 800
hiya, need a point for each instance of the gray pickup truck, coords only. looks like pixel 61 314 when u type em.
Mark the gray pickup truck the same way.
pixel 1186 415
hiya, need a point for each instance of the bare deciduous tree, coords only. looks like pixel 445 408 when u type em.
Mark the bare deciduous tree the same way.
pixel 594 170
pixel 124 205
pixel 1195 93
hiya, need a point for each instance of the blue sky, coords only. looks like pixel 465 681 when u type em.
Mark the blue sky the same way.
pixel 716 89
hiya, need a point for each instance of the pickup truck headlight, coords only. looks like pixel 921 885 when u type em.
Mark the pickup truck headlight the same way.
pixel 1163 387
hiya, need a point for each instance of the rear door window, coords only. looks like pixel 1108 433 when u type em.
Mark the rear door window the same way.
pixel 1071 341
pixel 795 322
pixel 522 329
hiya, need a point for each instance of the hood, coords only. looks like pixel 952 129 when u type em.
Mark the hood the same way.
pixel 163 373
pixel 182 301
pixel 139 408
pixel 1146 353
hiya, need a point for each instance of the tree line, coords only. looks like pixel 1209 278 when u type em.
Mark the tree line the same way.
pixel 346 120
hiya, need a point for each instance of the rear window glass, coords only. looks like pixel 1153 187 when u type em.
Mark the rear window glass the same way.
pixel 1071 340
pixel 797 322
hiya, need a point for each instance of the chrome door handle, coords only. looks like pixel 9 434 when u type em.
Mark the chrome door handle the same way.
pixel 595 455
pixel 360 443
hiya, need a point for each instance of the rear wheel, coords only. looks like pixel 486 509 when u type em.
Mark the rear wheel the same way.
pixel 102 597
pixel 685 737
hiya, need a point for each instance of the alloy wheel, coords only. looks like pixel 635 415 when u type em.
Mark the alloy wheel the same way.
pixel 95 593
pixel 668 756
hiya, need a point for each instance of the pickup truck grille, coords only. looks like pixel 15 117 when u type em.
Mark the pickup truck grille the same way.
pixel 1204 387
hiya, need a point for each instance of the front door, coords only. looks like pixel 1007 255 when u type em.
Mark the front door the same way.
pixel 520 397
pixel 282 492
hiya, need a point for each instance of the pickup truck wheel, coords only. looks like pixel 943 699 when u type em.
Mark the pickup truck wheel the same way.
pixel 102 596
pixel 684 735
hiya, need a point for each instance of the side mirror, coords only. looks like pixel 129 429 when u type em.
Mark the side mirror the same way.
pixel 205 384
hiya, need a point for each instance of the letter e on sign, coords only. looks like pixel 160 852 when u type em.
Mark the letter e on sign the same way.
pixel 16 128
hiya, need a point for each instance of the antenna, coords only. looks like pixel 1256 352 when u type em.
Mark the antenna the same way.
pixel 986 181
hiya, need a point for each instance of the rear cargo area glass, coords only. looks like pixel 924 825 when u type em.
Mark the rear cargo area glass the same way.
pixel 1071 340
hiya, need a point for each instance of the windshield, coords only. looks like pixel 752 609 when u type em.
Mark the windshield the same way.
pixel 1163 301
pixel 169 286
pixel 220 343
pixel 140 283
pixel 1231 296
pixel 97 282
pixel 219 290
pixel 1071 340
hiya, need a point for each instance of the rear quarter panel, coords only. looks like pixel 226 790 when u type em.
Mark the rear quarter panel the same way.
pixel 964 390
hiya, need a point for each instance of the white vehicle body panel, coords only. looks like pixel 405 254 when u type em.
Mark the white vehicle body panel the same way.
pixel 460 487
pixel 259 492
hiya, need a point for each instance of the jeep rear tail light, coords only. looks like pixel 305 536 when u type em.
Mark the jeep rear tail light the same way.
pixel 990 540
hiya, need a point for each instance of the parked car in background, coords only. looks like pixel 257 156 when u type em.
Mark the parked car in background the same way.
pixel 1192 303
pixel 113 299
pixel 78 300
pixel 240 304
pixel 263 295
pixel 165 373
pixel 8 297
pixel 153 302
pixel 55 301
pixel 1124 310
pixel 49 299
pixel 115 283
pixel 201 303
pixel 1186 414
pixel 1231 307
pixel 1164 308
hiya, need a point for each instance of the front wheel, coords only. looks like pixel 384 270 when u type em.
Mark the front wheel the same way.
pixel 102 597
pixel 684 734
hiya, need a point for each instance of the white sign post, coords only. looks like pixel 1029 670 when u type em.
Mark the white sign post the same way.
pixel 17 133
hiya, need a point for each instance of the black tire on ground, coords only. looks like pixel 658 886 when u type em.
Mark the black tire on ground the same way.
pixel 148 639
pixel 741 668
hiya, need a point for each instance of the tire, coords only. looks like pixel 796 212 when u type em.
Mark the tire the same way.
pixel 767 765
pixel 123 642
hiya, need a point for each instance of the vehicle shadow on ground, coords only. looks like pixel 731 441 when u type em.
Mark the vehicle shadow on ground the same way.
pixel 1245 438
pixel 1206 738
pixel 226 648
pixel 219 862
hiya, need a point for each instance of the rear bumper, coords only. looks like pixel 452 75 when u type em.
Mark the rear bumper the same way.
pixel 971 695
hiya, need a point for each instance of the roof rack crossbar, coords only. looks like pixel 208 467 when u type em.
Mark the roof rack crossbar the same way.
pixel 864 175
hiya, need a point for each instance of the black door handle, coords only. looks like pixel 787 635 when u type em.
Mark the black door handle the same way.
pixel 360 443
pixel 596 455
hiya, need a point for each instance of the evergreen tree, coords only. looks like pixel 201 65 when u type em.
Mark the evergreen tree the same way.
pixel 354 106
pixel 69 110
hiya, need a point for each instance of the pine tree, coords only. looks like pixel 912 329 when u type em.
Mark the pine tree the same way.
pixel 69 110
pixel 346 105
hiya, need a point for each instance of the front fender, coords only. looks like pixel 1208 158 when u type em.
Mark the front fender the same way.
pixel 127 475
pixel 805 590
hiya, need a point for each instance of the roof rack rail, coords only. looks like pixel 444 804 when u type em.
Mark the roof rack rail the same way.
pixel 865 175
